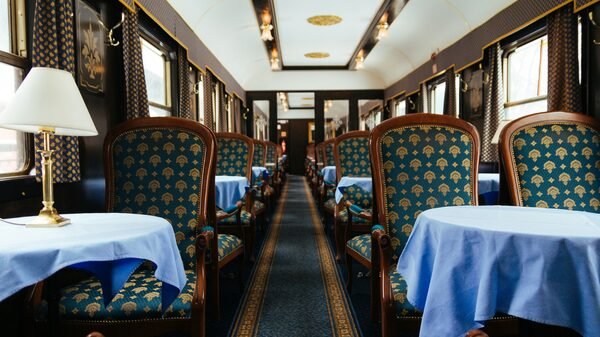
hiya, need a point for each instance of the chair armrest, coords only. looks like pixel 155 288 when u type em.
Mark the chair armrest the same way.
pixel 383 243
pixel 224 214
pixel 360 212
pixel 202 245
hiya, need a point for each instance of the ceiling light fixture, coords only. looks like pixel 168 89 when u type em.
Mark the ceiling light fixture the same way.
pixel 324 20
pixel 275 60
pixel 359 62
pixel 382 27
pixel 266 26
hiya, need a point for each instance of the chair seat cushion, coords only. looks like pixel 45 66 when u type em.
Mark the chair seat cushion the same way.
pixel 140 298
pixel 258 206
pixel 330 193
pixel 228 244
pixel 403 307
pixel 232 220
pixel 361 244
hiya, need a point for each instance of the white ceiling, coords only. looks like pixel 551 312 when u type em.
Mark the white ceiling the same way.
pixel 298 37
pixel 230 30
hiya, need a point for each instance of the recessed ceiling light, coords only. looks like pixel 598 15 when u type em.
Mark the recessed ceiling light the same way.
pixel 316 55
pixel 324 20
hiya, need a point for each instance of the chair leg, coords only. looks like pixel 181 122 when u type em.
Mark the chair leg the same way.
pixel 375 302
pixel 338 238
pixel 241 273
pixel 350 276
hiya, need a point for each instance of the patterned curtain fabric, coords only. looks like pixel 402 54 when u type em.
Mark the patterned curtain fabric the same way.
pixel 424 99
pixel 222 115
pixel 184 84
pixel 54 47
pixel 136 96
pixel 450 94
pixel 208 106
pixel 564 90
pixel 494 104
pixel 237 115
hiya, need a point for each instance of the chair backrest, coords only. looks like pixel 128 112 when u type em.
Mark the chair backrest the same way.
pixel 351 153
pixel 272 153
pixel 329 159
pixel 310 151
pixel 234 153
pixel 319 155
pixel 260 153
pixel 163 166
pixel 421 161
pixel 552 160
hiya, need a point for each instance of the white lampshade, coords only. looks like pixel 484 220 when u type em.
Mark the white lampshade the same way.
pixel 501 125
pixel 48 98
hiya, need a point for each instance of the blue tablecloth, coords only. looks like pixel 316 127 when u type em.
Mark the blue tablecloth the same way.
pixel 229 190
pixel 328 173
pixel 109 245
pixel 258 171
pixel 364 183
pixel 488 187
pixel 463 264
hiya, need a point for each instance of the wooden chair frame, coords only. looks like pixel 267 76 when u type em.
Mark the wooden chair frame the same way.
pixel 326 212
pixel 542 118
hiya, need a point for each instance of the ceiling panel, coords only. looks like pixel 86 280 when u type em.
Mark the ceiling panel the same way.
pixel 298 37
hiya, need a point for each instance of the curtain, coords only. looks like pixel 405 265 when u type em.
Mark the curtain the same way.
pixel 450 93
pixel 424 99
pixel 184 84
pixel 564 90
pixel 208 106
pixel 222 108
pixel 54 47
pixel 136 96
pixel 494 104
pixel 237 117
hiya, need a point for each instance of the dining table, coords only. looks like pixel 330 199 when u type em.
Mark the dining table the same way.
pixel 229 190
pixel 329 176
pixel 111 246
pixel 464 264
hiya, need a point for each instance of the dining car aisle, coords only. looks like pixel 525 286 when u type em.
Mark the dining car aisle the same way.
pixel 295 289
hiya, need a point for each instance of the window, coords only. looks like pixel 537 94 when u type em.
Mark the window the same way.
pixel 437 91
pixel 216 103
pixel 158 79
pixel 196 95
pixel 399 107
pixel 526 83
pixel 15 147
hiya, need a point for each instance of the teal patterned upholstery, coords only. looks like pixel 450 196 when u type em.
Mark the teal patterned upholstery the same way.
pixel 271 157
pixel 228 244
pixel 330 205
pixel 139 299
pixel 424 167
pixel 259 154
pixel 343 216
pixel 232 157
pixel 354 157
pixel 329 154
pixel 157 171
pixel 403 307
pixel 358 196
pixel 232 220
pixel 558 166
pixel 361 244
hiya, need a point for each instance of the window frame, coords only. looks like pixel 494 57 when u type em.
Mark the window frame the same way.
pixel 17 58
pixel 170 62
pixel 431 86
pixel 396 104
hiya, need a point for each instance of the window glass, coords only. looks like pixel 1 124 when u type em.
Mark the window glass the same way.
pixel 200 94
pixel 13 154
pixel 5 26
pixel 157 81
pixel 437 98
pixel 400 108
pixel 527 79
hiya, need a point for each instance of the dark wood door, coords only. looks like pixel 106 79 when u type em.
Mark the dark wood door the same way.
pixel 296 144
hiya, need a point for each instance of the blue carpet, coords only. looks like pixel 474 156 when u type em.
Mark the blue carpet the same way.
pixel 295 289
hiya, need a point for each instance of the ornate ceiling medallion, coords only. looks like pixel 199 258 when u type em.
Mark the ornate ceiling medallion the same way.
pixel 316 55
pixel 324 20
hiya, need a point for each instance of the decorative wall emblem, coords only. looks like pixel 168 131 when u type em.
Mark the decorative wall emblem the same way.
pixel 90 48
pixel 324 20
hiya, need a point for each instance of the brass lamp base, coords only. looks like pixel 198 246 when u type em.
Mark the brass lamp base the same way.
pixel 48 218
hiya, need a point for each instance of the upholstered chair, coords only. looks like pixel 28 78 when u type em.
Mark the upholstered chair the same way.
pixel 552 160
pixel 420 161
pixel 234 158
pixel 272 165
pixel 143 157
pixel 329 204
pixel 319 188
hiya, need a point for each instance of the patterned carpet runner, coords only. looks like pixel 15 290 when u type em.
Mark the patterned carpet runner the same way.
pixel 295 289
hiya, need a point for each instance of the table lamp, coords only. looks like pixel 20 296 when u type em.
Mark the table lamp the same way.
pixel 48 102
